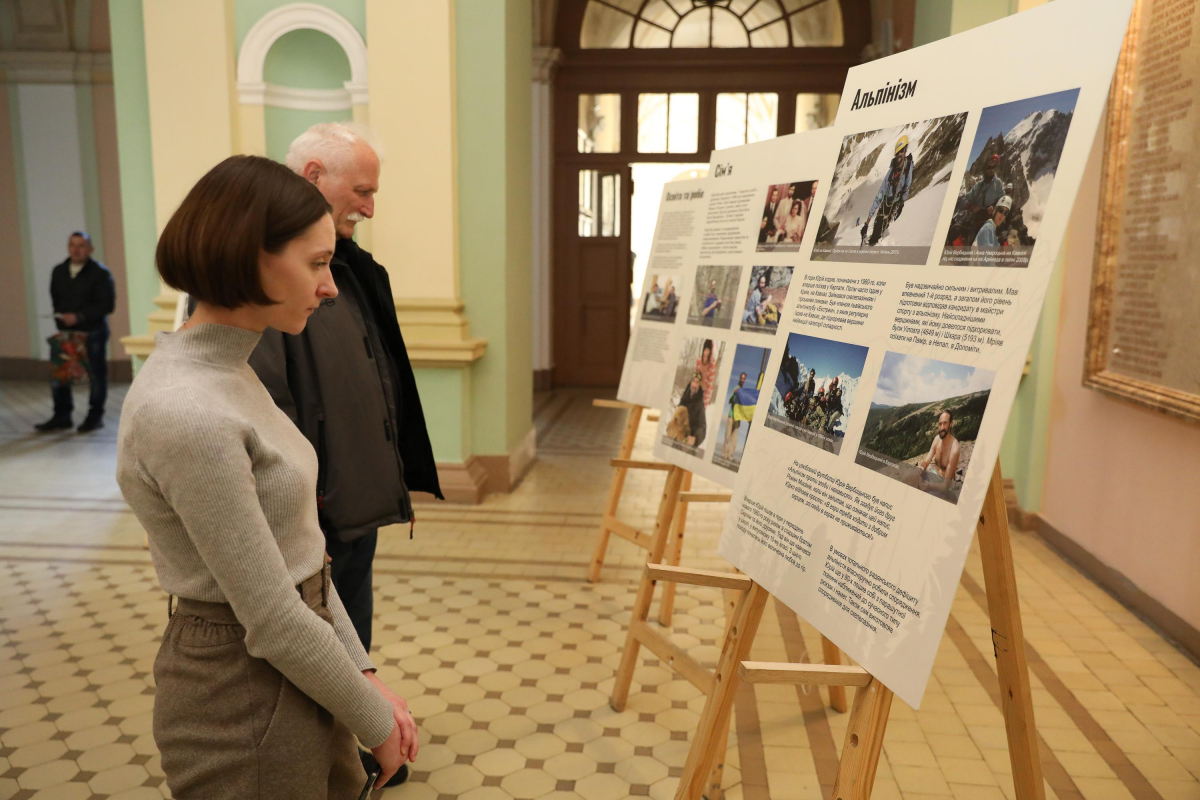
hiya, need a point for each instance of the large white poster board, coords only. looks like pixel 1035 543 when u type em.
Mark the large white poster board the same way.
pixel 658 306
pixel 758 219
pixel 955 170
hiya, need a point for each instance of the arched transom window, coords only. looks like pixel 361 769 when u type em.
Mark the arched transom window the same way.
pixel 614 24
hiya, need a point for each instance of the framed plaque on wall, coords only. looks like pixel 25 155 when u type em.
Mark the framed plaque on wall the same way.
pixel 1143 343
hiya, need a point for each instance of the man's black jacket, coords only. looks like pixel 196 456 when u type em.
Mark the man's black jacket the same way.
pixel 90 295
pixel 362 413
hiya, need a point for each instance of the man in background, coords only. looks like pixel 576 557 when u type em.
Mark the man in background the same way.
pixel 988 190
pixel 772 206
pixel 83 294
pixel 347 383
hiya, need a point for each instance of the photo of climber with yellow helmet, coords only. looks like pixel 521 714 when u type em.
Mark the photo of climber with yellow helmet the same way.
pixel 887 193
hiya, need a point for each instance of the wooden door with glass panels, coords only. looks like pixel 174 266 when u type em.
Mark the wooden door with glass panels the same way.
pixel 668 81
pixel 596 321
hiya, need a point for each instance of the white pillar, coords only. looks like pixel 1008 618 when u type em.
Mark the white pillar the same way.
pixel 545 59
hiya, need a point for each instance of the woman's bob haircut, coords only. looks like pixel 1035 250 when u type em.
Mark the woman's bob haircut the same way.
pixel 243 206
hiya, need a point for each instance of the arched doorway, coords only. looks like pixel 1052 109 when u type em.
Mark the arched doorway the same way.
pixel 646 89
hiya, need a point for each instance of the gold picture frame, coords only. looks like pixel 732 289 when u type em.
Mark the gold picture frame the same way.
pixel 1096 373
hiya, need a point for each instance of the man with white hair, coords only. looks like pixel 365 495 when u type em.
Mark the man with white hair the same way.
pixel 347 383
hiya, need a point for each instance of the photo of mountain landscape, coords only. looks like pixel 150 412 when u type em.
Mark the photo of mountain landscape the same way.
pixel 923 422
pixel 1015 155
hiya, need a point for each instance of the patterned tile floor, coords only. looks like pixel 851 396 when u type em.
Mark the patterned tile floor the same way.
pixel 486 623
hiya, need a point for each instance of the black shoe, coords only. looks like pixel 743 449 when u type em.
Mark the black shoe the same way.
pixel 55 423
pixel 90 424
pixel 400 777
pixel 370 764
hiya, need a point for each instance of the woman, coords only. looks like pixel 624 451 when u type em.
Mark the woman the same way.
pixel 667 307
pixel 706 367
pixel 793 229
pixel 653 298
pixel 693 400
pixel 262 683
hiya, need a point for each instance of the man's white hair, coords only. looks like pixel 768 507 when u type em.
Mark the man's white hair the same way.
pixel 331 143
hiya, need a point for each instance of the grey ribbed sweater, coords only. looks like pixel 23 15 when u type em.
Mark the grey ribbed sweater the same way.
pixel 225 486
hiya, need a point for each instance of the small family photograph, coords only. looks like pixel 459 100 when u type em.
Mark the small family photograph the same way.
pixel 814 390
pixel 887 193
pixel 746 374
pixel 923 422
pixel 765 298
pixel 714 297
pixel 661 298
pixel 785 216
pixel 693 394
pixel 1004 193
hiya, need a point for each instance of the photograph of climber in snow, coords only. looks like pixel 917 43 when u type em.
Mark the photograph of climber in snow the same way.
pixel 1013 161
pixel 887 193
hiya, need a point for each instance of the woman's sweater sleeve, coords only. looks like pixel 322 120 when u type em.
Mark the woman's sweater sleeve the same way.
pixel 201 465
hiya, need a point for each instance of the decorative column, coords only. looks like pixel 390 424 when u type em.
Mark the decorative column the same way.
pixel 192 114
pixel 415 232
pixel 545 61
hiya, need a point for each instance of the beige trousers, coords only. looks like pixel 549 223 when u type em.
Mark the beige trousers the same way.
pixel 231 726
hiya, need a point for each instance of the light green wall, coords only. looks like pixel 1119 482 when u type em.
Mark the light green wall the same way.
pixel 285 124
pixel 493 59
pixel 973 13
pixel 937 19
pixel 444 394
pixel 248 12
pixel 132 100
pixel 1023 451
pixel 932 21
pixel 304 59
pixel 307 59
pixel 519 201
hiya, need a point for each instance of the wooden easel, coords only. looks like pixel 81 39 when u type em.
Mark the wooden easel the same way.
pixel 872 702
pixel 622 464
pixel 672 515
pixel 609 523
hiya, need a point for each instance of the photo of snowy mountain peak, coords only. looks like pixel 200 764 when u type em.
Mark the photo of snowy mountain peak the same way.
pixel 1004 193
pixel 814 390
pixel 887 193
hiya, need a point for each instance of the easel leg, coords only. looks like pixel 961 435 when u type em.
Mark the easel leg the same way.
pixel 837 694
pixel 641 605
pixel 713 790
pixel 666 605
pixel 713 731
pixel 1008 643
pixel 614 492
pixel 864 742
